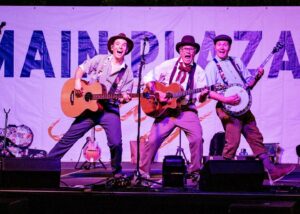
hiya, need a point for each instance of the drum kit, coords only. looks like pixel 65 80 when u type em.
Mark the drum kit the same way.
pixel 14 140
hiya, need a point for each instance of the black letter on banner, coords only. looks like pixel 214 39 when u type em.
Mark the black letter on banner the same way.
pixel 207 47
pixel 37 44
pixel 65 54
pixel 254 38
pixel 279 64
pixel 169 45
pixel 138 37
pixel 7 53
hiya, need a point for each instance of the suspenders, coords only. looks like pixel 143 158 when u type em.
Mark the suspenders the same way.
pixel 190 83
pixel 114 86
pixel 221 72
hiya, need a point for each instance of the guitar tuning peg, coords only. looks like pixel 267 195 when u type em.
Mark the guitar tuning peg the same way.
pixel 278 46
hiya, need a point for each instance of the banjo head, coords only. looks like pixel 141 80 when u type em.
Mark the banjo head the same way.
pixel 244 104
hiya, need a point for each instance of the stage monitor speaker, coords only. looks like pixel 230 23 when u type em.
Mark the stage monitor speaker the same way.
pixel 174 171
pixel 232 175
pixel 29 172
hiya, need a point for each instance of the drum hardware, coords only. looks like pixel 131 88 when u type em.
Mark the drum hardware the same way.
pixel 5 152
pixel 14 140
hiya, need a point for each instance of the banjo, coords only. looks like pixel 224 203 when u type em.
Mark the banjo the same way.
pixel 243 92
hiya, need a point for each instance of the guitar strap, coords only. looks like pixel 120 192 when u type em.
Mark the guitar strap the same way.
pixel 235 67
pixel 221 72
pixel 238 70
pixel 173 72
pixel 114 86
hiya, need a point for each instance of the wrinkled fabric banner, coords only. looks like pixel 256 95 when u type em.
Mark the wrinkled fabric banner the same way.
pixel 40 48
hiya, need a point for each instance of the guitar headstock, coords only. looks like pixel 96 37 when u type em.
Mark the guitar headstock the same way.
pixel 278 46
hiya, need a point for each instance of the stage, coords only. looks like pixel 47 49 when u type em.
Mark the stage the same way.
pixel 88 191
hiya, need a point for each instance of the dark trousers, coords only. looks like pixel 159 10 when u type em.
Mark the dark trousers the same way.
pixel 235 127
pixel 110 122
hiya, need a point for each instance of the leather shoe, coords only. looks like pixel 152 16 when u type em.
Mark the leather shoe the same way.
pixel 279 172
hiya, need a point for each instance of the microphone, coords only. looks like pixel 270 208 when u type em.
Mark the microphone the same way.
pixel 2 24
pixel 146 38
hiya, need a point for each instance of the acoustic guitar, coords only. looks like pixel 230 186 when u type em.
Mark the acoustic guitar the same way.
pixel 73 106
pixel 154 108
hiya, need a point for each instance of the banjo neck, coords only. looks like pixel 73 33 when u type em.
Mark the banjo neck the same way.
pixel 244 93
pixel 262 65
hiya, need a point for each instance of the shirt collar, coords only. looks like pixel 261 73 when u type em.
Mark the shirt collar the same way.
pixel 110 57
pixel 219 59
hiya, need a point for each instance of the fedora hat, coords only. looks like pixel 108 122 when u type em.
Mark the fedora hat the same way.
pixel 120 36
pixel 223 37
pixel 188 40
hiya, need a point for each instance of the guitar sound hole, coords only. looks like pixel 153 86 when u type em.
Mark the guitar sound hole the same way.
pixel 88 96
pixel 169 95
pixel 146 95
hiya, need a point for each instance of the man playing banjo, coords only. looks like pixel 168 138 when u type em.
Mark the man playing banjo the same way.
pixel 233 109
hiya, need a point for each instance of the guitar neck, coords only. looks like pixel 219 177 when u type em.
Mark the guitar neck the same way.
pixel 266 60
pixel 275 50
pixel 93 133
pixel 262 65
pixel 191 91
pixel 110 96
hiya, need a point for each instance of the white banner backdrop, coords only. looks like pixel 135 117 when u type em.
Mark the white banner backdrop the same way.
pixel 40 47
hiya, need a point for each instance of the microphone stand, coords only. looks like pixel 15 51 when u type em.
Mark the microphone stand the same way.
pixel 142 64
pixel 139 178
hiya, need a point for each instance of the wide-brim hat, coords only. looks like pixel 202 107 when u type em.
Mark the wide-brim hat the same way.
pixel 188 40
pixel 223 37
pixel 120 36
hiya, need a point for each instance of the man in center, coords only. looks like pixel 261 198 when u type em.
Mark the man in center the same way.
pixel 185 72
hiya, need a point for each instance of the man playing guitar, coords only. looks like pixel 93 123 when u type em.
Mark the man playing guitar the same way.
pixel 185 72
pixel 232 72
pixel 112 73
